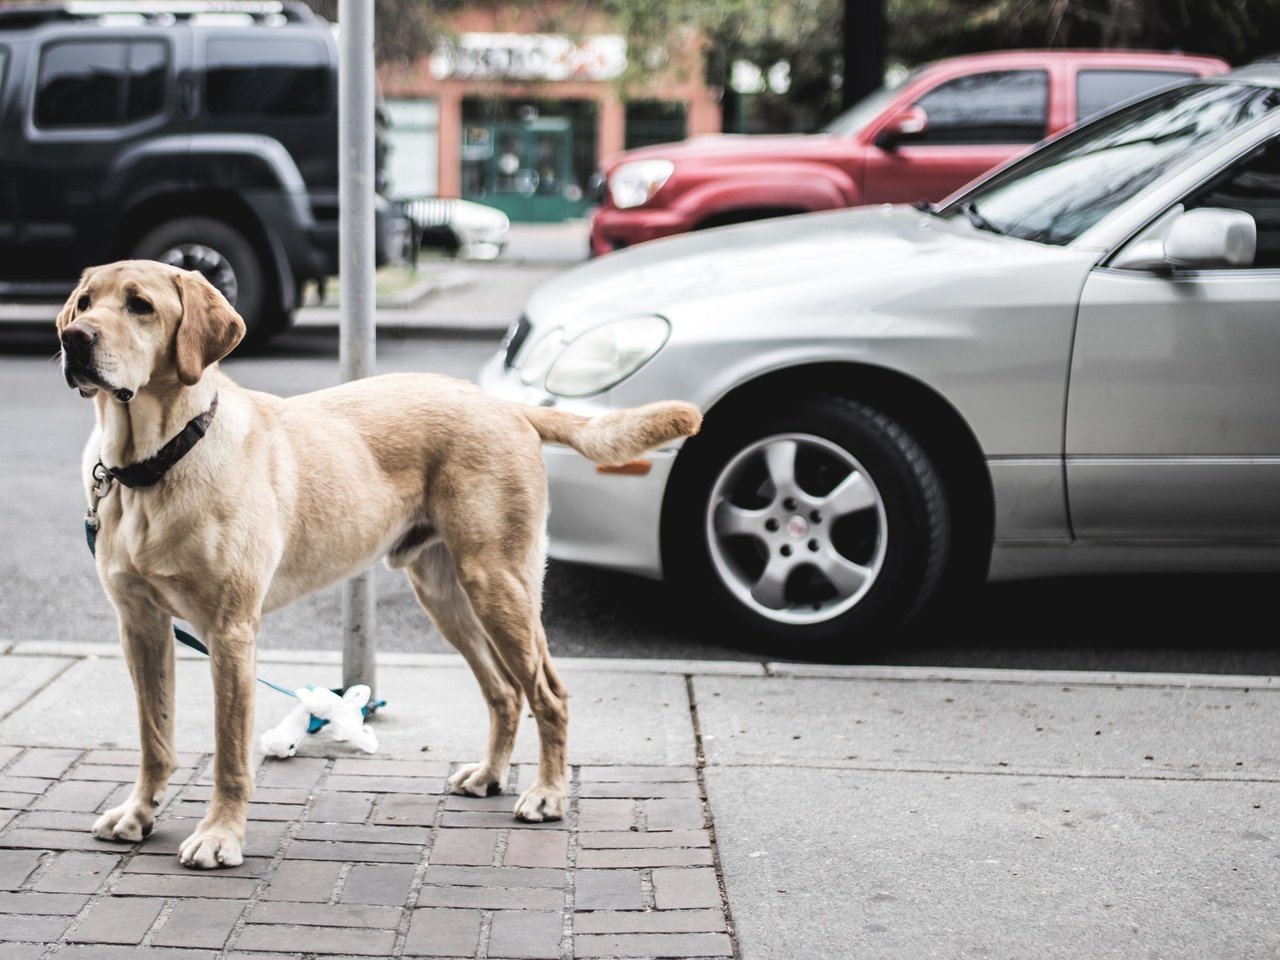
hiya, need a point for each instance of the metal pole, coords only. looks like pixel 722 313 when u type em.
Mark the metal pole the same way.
pixel 357 344
pixel 864 49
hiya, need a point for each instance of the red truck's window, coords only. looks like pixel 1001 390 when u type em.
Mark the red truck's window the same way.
pixel 1007 106
pixel 1098 90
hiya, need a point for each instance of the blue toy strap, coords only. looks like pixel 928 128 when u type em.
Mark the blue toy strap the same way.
pixel 317 722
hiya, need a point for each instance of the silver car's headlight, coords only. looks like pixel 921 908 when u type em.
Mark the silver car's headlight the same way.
pixel 540 355
pixel 635 183
pixel 605 355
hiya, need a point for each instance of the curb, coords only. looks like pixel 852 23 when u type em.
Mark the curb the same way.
pixel 432 281
pixel 726 668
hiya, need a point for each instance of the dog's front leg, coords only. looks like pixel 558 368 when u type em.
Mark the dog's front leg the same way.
pixel 218 841
pixel 146 635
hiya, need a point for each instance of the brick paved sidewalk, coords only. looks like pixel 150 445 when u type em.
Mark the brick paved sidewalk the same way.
pixel 358 857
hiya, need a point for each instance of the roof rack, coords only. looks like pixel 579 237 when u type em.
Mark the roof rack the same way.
pixel 158 11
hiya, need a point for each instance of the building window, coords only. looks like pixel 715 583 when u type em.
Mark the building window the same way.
pixel 414 148
pixel 654 121
pixel 531 158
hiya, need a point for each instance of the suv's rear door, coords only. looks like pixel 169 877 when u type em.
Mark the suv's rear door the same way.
pixel 278 83
pixel 973 122
pixel 8 124
pixel 95 97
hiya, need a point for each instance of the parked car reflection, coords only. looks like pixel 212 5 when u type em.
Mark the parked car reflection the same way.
pixel 459 228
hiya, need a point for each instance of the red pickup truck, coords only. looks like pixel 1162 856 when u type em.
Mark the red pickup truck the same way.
pixel 947 123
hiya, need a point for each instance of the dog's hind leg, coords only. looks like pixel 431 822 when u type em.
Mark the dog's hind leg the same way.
pixel 510 608
pixel 436 586
pixel 145 635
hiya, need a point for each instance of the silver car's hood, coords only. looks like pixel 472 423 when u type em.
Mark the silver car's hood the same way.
pixel 981 317
pixel 862 257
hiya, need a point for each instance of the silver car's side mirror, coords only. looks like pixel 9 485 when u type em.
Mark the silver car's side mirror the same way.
pixel 1212 237
pixel 1206 238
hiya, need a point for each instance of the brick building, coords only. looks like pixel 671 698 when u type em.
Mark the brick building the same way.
pixel 506 113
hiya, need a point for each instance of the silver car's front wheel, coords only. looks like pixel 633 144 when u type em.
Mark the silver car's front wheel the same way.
pixel 820 524
pixel 796 528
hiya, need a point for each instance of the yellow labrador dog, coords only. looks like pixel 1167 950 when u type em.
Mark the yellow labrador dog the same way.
pixel 223 504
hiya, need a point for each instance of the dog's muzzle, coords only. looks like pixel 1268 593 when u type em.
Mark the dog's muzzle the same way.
pixel 78 341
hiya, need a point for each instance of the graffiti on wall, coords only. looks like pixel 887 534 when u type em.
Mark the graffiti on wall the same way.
pixel 529 56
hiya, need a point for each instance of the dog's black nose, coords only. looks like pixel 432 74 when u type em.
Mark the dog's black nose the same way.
pixel 77 338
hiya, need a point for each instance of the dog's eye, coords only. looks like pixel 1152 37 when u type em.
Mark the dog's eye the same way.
pixel 138 305
pixel 83 303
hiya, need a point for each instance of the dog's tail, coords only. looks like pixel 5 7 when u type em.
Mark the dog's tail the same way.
pixel 615 438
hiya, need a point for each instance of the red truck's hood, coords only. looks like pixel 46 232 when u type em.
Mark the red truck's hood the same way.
pixel 716 145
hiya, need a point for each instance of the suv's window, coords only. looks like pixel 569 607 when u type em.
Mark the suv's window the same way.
pixel 4 62
pixel 1098 90
pixel 100 83
pixel 1009 106
pixel 1252 185
pixel 267 78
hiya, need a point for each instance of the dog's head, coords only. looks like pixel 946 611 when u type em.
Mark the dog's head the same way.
pixel 135 322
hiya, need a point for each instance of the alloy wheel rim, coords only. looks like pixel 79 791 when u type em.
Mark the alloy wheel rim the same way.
pixel 796 528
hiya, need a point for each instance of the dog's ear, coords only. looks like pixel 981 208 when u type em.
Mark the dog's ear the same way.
pixel 209 329
pixel 69 308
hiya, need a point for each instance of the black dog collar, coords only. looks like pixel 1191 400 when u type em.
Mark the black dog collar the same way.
pixel 149 471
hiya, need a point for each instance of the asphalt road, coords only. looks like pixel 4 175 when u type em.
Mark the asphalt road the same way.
pixel 49 591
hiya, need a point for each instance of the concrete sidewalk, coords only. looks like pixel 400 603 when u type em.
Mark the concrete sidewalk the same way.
pixel 718 809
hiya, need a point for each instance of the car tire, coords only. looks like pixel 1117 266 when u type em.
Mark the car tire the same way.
pixel 226 258
pixel 822 528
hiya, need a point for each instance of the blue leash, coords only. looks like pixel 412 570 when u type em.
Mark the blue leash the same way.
pixel 186 639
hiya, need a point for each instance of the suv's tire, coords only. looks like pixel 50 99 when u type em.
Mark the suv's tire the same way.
pixel 226 258
pixel 822 526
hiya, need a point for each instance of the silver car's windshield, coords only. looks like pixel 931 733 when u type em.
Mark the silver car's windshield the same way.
pixel 1058 192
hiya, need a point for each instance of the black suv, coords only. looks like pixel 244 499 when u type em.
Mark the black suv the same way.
pixel 200 135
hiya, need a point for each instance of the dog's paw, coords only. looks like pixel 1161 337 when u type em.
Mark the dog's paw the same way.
pixel 540 803
pixel 211 847
pixel 127 823
pixel 476 780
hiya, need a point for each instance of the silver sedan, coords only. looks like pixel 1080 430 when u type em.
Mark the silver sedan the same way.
pixel 1072 366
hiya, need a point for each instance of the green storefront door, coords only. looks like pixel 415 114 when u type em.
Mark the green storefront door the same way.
pixel 524 169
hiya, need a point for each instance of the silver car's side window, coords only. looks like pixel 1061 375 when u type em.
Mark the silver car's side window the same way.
pixel 1251 184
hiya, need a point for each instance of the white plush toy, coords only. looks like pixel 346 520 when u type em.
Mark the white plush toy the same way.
pixel 345 716
pixel 282 740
